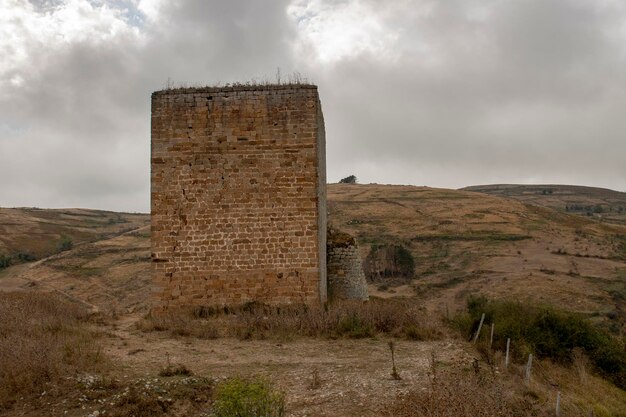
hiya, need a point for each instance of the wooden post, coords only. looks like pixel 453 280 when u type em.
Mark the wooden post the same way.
pixel 506 358
pixel 482 319
pixel 529 367
pixel 558 403
pixel 491 338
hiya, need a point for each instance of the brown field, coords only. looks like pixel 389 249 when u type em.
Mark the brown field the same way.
pixel 37 232
pixel 469 243
pixel 601 203
pixel 463 243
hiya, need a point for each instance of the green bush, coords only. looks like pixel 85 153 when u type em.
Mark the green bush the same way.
pixel 355 327
pixel 65 243
pixel 5 261
pixel 547 332
pixel 25 257
pixel 241 397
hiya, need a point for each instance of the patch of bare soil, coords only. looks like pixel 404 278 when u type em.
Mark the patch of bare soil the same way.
pixel 319 377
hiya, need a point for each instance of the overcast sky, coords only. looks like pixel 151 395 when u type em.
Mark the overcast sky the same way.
pixel 445 93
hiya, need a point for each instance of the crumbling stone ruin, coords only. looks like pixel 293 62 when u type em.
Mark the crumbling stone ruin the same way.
pixel 346 279
pixel 238 196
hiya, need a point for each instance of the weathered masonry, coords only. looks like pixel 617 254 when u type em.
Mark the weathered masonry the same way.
pixel 238 196
pixel 346 280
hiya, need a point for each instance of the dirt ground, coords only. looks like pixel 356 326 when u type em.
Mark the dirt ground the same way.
pixel 319 377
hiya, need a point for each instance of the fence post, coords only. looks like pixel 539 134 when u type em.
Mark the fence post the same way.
pixel 506 358
pixel 491 338
pixel 558 403
pixel 528 368
pixel 482 319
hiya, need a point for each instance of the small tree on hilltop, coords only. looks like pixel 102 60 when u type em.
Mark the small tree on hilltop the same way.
pixel 348 180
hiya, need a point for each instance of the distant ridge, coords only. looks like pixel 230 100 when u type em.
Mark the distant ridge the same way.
pixel 582 189
pixel 602 203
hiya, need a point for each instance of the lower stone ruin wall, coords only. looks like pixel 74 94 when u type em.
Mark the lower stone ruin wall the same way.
pixel 346 280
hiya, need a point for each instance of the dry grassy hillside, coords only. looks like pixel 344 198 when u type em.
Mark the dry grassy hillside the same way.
pixel 110 275
pixel 36 233
pixel 107 266
pixel 462 243
pixel 601 203
pixel 469 243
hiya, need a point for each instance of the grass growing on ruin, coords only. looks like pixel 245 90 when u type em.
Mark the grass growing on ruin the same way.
pixel 43 340
pixel 395 318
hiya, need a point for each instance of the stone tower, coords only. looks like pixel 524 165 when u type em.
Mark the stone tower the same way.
pixel 238 196
pixel 346 280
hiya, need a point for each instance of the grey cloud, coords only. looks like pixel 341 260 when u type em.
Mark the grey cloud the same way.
pixel 532 92
pixel 471 92
pixel 76 133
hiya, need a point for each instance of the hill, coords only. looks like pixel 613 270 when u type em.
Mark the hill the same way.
pixel 105 264
pixel 461 243
pixel 34 233
pixel 600 203
pixel 466 243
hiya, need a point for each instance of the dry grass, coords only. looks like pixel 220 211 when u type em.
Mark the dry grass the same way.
pixel 491 390
pixel 581 390
pixel 465 394
pixel 43 340
pixel 396 318
pixel 31 233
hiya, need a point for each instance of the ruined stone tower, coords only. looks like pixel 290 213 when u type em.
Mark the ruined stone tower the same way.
pixel 346 280
pixel 238 196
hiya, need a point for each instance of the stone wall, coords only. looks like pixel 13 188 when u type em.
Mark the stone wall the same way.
pixel 238 196
pixel 346 280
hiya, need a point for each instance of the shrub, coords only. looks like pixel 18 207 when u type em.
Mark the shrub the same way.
pixel 65 243
pixel 5 261
pixel 355 327
pixel 175 370
pixel 348 180
pixel 549 333
pixel 239 397
pixel 25 257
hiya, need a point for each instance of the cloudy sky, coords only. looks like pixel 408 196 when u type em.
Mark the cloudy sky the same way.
pixel 445 93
